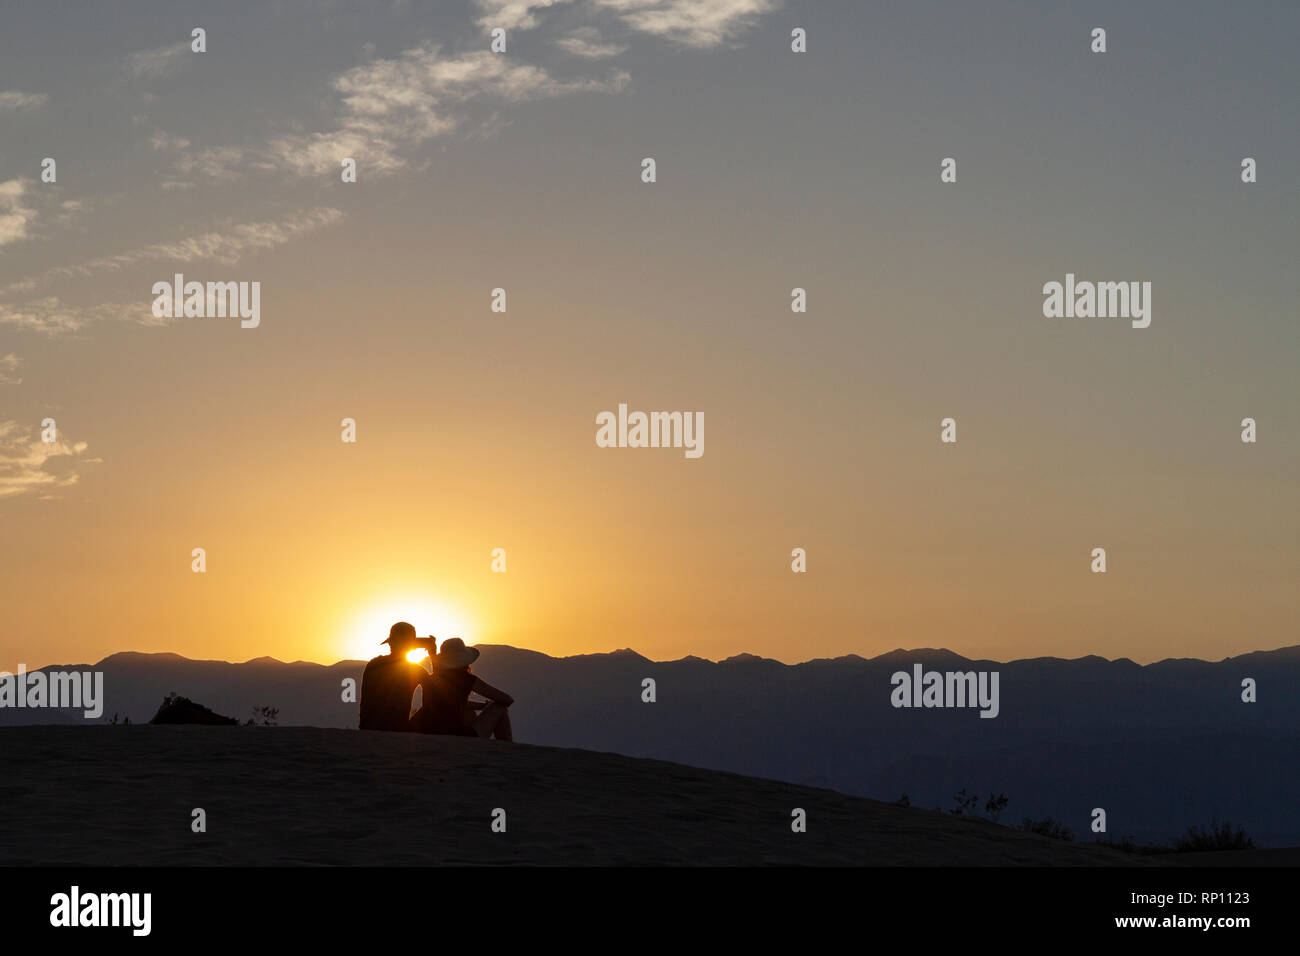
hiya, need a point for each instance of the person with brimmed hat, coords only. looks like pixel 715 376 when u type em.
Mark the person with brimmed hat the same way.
pixel 447 708
pixel 389 681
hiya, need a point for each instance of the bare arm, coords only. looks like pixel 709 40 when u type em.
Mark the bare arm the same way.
pixel 485 689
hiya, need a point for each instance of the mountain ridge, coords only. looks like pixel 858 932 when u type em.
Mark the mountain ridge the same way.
pixel 1289 651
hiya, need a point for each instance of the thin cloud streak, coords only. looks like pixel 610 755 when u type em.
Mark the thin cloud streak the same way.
pixel 51 316
pixel 11 101
pixel 226 246
pixel 587 43
pixel 692 23
pixel 512 14
pixel 158 61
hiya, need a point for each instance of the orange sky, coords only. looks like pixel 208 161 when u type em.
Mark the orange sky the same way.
pixel 476 430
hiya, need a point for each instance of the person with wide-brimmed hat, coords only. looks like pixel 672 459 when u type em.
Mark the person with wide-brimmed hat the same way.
pixel 447 708
pixel 388 683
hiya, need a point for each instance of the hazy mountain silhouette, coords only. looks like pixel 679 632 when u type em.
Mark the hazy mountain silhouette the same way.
pixel 1160 746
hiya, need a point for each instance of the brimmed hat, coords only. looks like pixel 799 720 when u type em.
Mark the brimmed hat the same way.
pixel 400 629
pixel 454 653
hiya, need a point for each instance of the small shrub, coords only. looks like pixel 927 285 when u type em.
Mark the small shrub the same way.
pixel 264 716
pixel 965 802
pixel 1047 827
pixel 1217 836
pixel 995 805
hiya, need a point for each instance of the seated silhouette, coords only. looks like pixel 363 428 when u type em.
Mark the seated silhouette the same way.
pixel 446 707
pixel 389 681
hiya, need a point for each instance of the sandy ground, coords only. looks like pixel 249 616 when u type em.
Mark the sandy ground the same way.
pixel 124 795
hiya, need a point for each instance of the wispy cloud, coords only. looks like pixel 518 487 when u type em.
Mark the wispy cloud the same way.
pixel 21 207
pixel 388 105
pixel 51 316
pixel 695 23
pixel 29 465
pixel 15 215
pixel 8 365
pixel 511 14
pixel 12 100
pixel 157 61
pixel 163 140
pixel 70 210
pixel 586 42
pixel 226 246
pixel 216 164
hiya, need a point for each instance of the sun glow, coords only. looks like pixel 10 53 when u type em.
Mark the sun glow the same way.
pixel 363 635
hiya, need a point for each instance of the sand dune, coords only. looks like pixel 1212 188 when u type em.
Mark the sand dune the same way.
pixel 124 795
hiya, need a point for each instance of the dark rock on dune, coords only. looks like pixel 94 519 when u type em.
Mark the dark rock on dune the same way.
pixel 181 710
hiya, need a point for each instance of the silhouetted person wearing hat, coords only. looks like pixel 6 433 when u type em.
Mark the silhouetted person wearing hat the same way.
pixel 446 707
pixel 389 681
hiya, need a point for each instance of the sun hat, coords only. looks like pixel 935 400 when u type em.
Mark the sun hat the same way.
pixel 454 653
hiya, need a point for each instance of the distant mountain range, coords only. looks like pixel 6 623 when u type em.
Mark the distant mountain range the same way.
pixel 1159 747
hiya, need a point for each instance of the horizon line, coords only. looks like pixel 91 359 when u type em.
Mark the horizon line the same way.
pixel 734 658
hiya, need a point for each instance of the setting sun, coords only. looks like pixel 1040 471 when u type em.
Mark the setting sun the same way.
pixel 364 633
